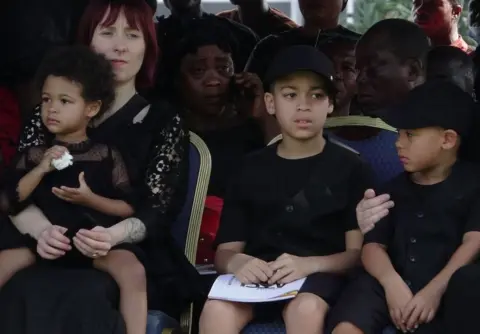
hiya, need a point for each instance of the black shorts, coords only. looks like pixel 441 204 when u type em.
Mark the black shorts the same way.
pixel 363 304
pixel 324 285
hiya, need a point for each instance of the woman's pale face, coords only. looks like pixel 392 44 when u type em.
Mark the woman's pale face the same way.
pixel 123 45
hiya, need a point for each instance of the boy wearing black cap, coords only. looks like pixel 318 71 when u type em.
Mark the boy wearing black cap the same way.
pixel 432 231
pixel 290 213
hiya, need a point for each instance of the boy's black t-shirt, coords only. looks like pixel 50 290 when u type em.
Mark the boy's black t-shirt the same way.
pixel 428 223
pixel 301 207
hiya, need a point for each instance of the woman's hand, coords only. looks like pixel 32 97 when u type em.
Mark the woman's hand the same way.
pixel 251 89
pixel 372 209
pixel 93 243
pixel 52 243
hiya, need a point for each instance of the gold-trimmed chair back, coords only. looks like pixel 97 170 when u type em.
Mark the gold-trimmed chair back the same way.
pixel 200 166
pixel 344 121
pixel 202 181
pixel 371 122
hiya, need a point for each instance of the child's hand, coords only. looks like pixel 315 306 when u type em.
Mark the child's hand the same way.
pixel 289 268
pixel 81 195
pixel 52 153
pixel 253 270
pixel 423 306
pixel 398 295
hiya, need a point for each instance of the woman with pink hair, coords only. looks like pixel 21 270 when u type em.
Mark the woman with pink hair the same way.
pixel 154 142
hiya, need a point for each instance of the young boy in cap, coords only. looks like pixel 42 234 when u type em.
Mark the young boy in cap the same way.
pixel 432 230
pixel 290 213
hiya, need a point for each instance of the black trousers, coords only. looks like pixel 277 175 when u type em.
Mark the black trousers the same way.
pixel 363 305
pixel 461 300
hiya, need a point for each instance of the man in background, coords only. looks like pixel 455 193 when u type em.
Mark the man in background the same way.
pixel 321 23
pixel 439 20
pixel 259 16
pixel 171 29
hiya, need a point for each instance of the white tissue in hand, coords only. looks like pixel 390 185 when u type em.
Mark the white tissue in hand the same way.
pixel 63 162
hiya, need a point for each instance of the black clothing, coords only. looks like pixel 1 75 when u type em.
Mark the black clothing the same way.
pixel 104 172
pixel 300 58
pixel 268 47
pixel 171 30
pixel 461 301
pixel 327 286
pixel 155 149
pixel 421 233
pixel 228 147
pixel 301 207
pixel 363 304
pixel 35 28
pixel 272 22
pixel 424 229
pixel 451 108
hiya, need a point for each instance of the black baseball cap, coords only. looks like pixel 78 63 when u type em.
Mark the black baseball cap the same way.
pixel 300 58
pixel 436 103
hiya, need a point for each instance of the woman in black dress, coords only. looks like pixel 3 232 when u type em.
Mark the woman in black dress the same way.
pixel 80 185
pixel 224 109
pixel 154 144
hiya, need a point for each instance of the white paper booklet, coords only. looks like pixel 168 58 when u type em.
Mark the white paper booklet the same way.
pixel 205 269
pixel 227 287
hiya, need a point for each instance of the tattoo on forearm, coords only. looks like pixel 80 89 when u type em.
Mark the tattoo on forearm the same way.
pixel 135 230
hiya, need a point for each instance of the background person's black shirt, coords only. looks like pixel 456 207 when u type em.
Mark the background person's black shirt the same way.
pixel 266 208
pixel 172 29
pixel 268 47
pixel 228 147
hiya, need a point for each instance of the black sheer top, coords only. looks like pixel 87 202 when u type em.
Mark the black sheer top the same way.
pixel 104 172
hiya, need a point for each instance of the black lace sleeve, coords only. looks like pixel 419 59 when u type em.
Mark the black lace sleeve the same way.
pixel 166 174
pixel 120 178
pixel 33 133
pixel 23 163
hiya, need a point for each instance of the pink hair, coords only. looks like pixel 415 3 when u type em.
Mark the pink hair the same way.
pixel 139 15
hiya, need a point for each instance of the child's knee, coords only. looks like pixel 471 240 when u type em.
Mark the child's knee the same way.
pixel 134 274
pixel 346 328
pixel 213 310
pixel 125 268
pixel 307 305
pixel 28 258
pixel 17 259
pixel 14 260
